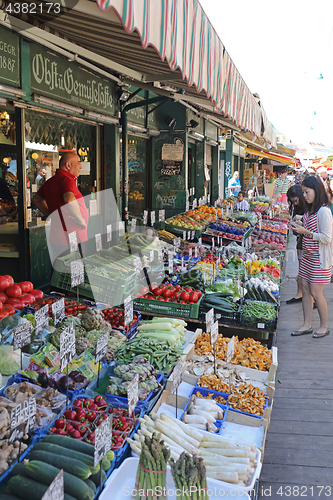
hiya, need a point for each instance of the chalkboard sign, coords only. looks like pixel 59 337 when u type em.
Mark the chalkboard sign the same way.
pixel 23 413
pixel 103 440
pixel 73 246
pixel 56 489
pixel 41 319
pixel 21 335
pixel 101 347
pixel 67 345
pixel 133 393
pixel 77 272
pixel 58 311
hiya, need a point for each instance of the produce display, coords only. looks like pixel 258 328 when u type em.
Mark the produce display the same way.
pixel 191 220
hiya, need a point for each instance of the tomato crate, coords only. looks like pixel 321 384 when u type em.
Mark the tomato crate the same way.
pixel 168 308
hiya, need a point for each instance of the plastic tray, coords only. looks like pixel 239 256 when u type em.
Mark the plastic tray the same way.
pixel 259 323
pixel 112 399
pixel 168 308
pixel 204 392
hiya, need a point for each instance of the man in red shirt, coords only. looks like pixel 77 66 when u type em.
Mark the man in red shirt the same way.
pixel 60 199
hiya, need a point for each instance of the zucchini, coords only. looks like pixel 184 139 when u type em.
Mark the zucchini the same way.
pixel 90 484
pixel 19 470
pixel 64 452
pixel 68 464
pixel 46 473
pixel 96 478
pixel 8 496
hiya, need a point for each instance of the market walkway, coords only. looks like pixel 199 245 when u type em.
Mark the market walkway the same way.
pixel 299 445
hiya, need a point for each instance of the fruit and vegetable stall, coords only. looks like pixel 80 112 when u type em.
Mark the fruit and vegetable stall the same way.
pixel 151 368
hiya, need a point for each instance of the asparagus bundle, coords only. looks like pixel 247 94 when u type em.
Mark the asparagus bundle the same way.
pixel 151 473
pixel 189 475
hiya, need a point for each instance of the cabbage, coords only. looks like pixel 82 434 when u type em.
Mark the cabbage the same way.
pixel 10 360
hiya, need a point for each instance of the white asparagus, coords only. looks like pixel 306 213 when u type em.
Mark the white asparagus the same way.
pixel 177 438
pixel 231 452
pixel 198 426
pixel 240 468
pixel 204 414
pixel 217 444
pixel 153 416
pixel 211 427
pixel 134 447
pixel 194 419
pixel 225 460
pixel 230 442
pixel 214 413
pixel 167 440
pixel 203 402
pixel 178 430
pixel 229 477
pixel 147 420
pixel 172 420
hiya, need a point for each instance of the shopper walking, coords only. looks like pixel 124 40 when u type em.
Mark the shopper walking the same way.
pixel 281 186
pixel 234 184
pixel 316 262
pixel 297 205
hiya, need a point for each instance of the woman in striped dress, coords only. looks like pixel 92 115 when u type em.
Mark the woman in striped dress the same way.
pixel 317 259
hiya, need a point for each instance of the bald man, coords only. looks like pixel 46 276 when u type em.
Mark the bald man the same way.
pixel 60 198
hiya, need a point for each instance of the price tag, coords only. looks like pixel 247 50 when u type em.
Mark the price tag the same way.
pixel 208 199
pixel 183 267
pixel 133 225
pixel 160 254
pixel 93 207
pixel 152 217
pixel 170 262
pixel 23 413
pixel 200 242
pixel 151 255
pixel 230 349
pixel 261 325
pixel 41 319
pixel 161 215
pixel 77 272
pixel 188 235
pixel 101 347
pixel 213 243
pixel 270 213
pixel 145 217
pixel 103 440
pixel 177 375
pixel 73 247
pixel 260 222
pixel 56 489
pixel 98 241
pixel 128 310
pixel 58 311
pixel 195 203
pixel 209 319
pixel 196 251
pixel 184 235
pixel 187 206
pixel 204 277
pixel 190 253
pixel 210 274
pixel 67 345
pixel 108 233
pixel 215 205
pixel 214 332
pixel 193 235
pixel 121 228
pixel 21 335
pixel 137 264
pixel 39 221
pixel 133 393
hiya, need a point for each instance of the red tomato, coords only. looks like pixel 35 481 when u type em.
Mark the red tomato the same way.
pixel 16 303
pixel 3 314
pixel 188 289
pixel 27 298
pixel 143 290
pixel 177 287
pixel 3 297
pixel 194 297
pixel 199 292
pixel 158 291
pixel 9 278
pixel 38 294
pixel 26 286
pixel 185 296
pixel 137 294
pixel 176 296
pixel 14 291
pixel 1 306
pixel 166 293
pixel 152 288
pixel 4 283
pixel 9 309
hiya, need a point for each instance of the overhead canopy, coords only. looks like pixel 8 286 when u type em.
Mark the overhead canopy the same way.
pixel 272 156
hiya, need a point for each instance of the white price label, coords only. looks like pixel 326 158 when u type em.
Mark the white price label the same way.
pixel 137 264
pixel 77 273
pixel 176 242
pixel 121 228
pixel 133 225
pixel 195 203
pixel 128 310
pixel 101 347
pixel 58 311
pixel 213 243
pixel 182 261
pixel 196 251
pixel 184 235
pixel 215 205
pixel 230 349
pixel 21 335
pixel 208 199
pixel 41 319
pixel 161 215
pixel 56 489
pixel 151 255
pixel 160 254
pixel 190 253
pixel 39 221
pixel 133 393
pixel 261 325
pixel 214 332
pixel 67 345
pixel 170 262
pixel 209 319
pixel 187 206
pixel 200 242
pixel 152 217
pixel 73 247
pixel 188 235
pixel 103 440
pixel 193 235
pixel 177 374
pixel 23 413
pixel 108 233
pixel 93 207
pixel 98 241
pixel 145 217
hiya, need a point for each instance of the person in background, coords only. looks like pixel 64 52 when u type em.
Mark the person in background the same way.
pixel 322 172
pixel 234 184
pixel 311 171
pixel 41 177
pixel 241 203
pixel 281 186
pixel 317 258
pixel 297 205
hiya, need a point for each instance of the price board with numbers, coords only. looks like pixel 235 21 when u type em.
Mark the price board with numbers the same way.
pixel 196 251
pixel 152 217
pixel 189 235
pixel 133 393
pixel 133 225
pixel 23 413
pixel 73 246
pixel 192 235
pixel 121 228
pixel 177 374
pixel 101 347
pixel 195 203
pixel 98 242
pixel 128 311
pixel 160 254
pixel 41 319
pixel 56 489
pixel 137 264
pixel 209 319
pixel 109 233
pixel 161 215
pixel 21 335
pixel 170 262
pixel 184 235
pixel 77 272
pixel 145 217
pixel 58 311
pixel 230 349
pixel 67 345
pixel 214 332
pixel 103 440
pixel 190 253
pixel 151 255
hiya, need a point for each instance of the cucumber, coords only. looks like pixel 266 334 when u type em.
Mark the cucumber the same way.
pixel 68 464
pixel 76 445
pixel 8 496
pixel 65 452
pixel 90 484
pixel 19 470
pixel 96 477
pixel 46 473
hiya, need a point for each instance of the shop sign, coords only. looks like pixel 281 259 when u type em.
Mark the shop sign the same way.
pixel 9 58
pixel 54 76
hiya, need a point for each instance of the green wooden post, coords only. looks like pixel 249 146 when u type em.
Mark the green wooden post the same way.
pixel 215 174
pixel 200 170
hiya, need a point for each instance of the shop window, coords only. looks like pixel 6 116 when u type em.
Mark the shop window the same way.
pixel 8 167
pixel 46 139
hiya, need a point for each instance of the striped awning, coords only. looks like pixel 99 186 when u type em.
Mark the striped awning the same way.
pixel 272 156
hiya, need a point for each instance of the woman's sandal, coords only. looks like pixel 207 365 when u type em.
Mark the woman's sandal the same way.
pixel 302 332
pixel 317 335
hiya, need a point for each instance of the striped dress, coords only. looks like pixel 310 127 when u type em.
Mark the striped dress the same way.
pixel 309 268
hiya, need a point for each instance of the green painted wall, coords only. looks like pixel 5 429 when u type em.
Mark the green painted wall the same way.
pixel 41 267
pixel 215 174
pixel 200 171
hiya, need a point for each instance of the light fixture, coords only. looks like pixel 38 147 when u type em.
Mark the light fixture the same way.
pixel 6 125
pixel 100 117
pixel 170 121
pixel 5 160
pixel 122 94
pixel 57 104
pixel 34 156
pixel 5 89
pixel 193 123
